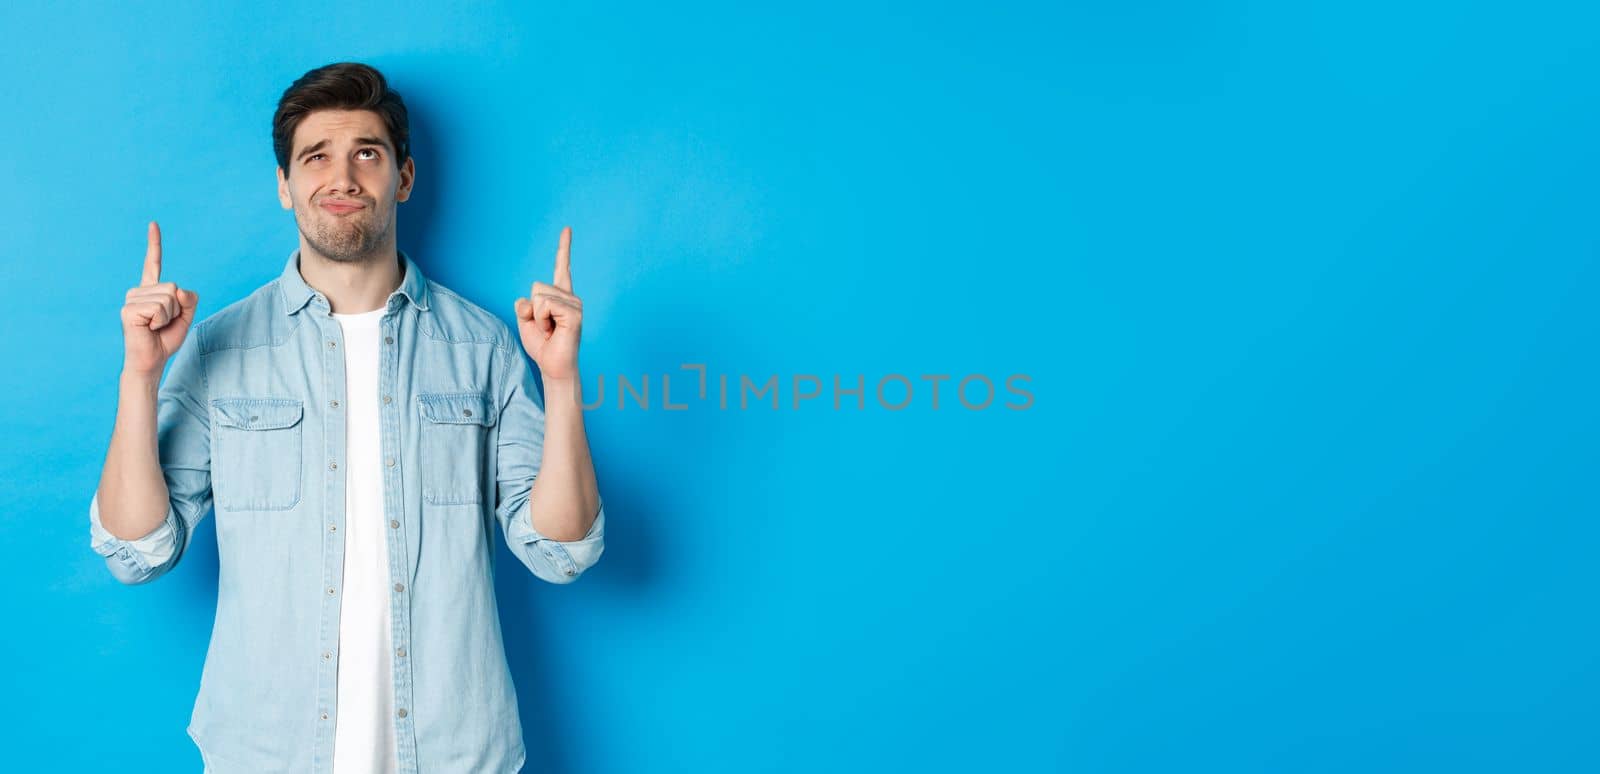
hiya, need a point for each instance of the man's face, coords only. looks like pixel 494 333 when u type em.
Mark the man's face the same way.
pixel 343 183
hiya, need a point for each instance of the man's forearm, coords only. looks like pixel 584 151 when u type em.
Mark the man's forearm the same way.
pixel 133 496
pixel 565 497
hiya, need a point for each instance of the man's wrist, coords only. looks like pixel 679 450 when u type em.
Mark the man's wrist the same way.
pixel 566 390
pixel 140 379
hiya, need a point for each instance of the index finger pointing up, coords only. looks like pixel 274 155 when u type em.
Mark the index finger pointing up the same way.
pixel 563 276
pixel 152 257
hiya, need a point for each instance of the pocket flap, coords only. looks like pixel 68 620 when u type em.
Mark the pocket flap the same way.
pixel 257 413
pixel 459 408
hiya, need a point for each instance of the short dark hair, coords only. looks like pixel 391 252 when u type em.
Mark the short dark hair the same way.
pixel 340 86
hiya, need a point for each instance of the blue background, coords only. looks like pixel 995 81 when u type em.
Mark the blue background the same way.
pixel 1306 296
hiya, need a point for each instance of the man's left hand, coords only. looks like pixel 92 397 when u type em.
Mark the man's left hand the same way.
pixel 550 319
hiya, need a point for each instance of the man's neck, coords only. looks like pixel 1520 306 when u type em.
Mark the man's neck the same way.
pixel 352 287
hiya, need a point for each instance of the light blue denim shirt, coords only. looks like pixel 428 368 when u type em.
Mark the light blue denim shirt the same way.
pixel 249 419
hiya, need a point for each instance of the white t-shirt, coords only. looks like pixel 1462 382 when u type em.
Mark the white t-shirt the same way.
pixel 363 740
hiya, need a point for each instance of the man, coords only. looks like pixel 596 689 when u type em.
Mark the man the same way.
pixel 362 432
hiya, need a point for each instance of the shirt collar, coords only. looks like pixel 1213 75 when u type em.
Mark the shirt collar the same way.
pixel 296 293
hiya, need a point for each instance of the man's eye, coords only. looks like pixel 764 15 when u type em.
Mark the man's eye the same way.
pixel 369 150
pixel 313 157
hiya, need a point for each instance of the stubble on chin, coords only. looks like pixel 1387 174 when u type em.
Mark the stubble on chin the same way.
pixel 344 240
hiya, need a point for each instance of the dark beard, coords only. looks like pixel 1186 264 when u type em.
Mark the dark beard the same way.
pixel 350 242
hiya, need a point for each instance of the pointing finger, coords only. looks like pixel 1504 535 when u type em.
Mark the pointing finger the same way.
pixel 152 256
pixel 563 276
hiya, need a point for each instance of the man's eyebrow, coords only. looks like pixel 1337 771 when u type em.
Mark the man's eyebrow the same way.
pixel 309 148
pixel 320 144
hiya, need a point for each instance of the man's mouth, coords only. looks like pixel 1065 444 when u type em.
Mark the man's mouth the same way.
pixel 341 206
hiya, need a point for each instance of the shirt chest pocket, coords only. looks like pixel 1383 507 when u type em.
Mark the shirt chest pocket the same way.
pixel 455 436
pixel 256 453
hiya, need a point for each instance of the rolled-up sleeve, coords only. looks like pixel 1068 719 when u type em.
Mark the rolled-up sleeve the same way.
pixel 557 561
pixel 183 441
pixel 520 451
pixel 139 560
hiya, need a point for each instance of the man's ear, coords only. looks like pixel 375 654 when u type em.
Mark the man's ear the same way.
pixel 408 175
pixel 283 191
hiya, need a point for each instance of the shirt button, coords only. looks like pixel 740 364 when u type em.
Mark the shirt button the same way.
pixel 394 524
pixel 402 712
pixel 466 412
pixel 331 345
pixel 333 528
pixel 388 339
pixel 388 461
pixel 333 466
pixel 386 399
pixel 399 587
pixel 326 655
pixel 400 652
pixel 333 403
pixel 324 716
pixel 330 591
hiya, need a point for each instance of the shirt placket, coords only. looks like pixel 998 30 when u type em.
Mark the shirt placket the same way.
pixel 333 503
pixel 399 571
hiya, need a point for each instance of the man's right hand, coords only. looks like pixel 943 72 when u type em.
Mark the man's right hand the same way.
pixel 156 316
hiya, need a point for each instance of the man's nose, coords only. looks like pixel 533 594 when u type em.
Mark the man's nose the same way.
pixel 344 178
